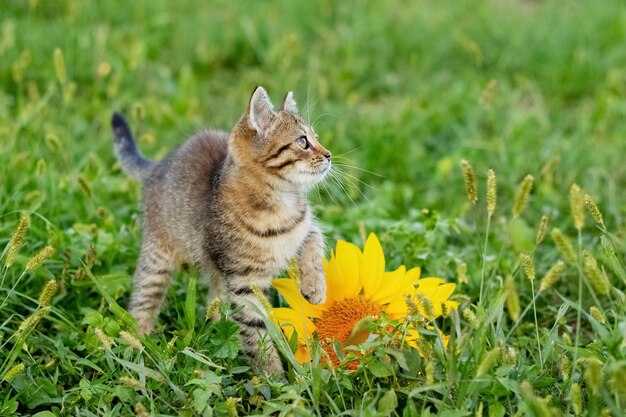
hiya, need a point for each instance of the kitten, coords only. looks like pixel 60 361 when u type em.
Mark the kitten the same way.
pixel 235 205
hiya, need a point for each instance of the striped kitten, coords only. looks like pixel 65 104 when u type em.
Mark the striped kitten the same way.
pixel 235 205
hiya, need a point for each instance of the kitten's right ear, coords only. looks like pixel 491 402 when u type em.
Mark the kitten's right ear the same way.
pixel 260 110
pixel 289 104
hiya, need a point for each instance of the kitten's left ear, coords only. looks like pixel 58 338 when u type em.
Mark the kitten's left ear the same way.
pixel 260 110
pixel 289 104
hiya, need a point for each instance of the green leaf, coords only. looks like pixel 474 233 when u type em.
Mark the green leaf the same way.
pixel 226 339
pixel 379 368
pixel 190 304
pixel 399 356
pixel 201 399
pixel 496 409
pixel 44 414
pixel 388 402
pixel 93 318
pixel 200 358
pixel 90 364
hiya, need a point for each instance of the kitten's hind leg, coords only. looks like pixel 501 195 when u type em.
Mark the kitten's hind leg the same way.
pixel 152 277
pixel 254 337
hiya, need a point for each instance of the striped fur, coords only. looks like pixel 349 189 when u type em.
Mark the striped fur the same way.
pixel 235 205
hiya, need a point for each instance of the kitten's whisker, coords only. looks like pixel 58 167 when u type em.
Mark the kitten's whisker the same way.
pixel 319 196
pixel 344 187
pixel 338 182
pixel 356 186
pixel 356 179
pixel 319 117
pixel 343 164
pixel 346 153
pixel 329 192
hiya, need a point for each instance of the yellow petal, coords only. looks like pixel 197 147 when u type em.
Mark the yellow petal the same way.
pixel 397 308
pixel 289 320
pixel 372 266
pixel 411 338
pixel 437 293
pixel 397 284
pixel 288 288
pixel 342 279
pixel 302 355
pixel 394 284
pixel 429 282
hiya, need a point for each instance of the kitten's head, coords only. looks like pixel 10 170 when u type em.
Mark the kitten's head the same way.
pixel 279 144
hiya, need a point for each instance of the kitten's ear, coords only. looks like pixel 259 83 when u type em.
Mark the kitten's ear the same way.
pixel 260 110
pixel 289 104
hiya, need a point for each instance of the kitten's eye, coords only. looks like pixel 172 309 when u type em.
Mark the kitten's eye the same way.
pixel 303 142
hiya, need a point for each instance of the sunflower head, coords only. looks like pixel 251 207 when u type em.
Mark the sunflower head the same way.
pixel 358 289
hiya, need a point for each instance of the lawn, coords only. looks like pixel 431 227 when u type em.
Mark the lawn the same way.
pixel 401 92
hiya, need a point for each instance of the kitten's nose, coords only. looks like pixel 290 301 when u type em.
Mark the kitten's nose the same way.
pixel 327 155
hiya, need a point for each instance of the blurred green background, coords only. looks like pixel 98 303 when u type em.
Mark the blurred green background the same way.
pixel 404 88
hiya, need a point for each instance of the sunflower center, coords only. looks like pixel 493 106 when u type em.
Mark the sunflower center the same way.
pixel 339 320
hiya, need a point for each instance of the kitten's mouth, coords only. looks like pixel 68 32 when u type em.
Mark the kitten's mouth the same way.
pixel 322 171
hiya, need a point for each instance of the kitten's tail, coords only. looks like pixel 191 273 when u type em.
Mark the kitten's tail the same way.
pixel 132 161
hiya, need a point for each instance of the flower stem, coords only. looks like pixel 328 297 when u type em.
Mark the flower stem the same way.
pixel 532 286
pixel 484 262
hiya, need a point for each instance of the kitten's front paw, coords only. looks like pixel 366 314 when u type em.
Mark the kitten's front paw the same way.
pixel 313 289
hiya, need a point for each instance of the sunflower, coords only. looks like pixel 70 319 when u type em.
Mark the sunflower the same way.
pixel 358 287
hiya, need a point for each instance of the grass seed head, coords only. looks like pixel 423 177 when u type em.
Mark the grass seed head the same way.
pixel 593 374
pixel 49 290
pixel 412 309
pixel 598 281
pixel 130 340
pixel 426 304
pixel 141 411
pixel 618 378
pixel 513 305
pixel 17 240
pixel 565 367
pixel 597 314
pixel 105 340
pixel 39 257
pixel 469 179
pixel 577 205
pixel 594 210
pixel 258 292
pixel 430 372
pixel 13 372
pixel 231 406
pixel 486 97
pixel 553 276
pixel 40 168
pixel 461 273
pixel 489 360
pixel 522 194
pixel 30 322
pixel 541 231
pixel 83 183
pixel 470 316
pixel 564 245
pixel 567 339
pixel 59 66
pixel 129 381
pixel 576 397
pixel 213 308
pixel 293 270
pixel 491 192
pixel 528 264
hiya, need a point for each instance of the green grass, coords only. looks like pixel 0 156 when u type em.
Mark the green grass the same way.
pixel 403 90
